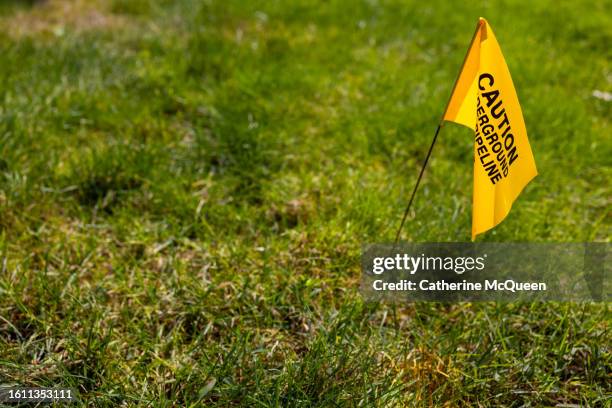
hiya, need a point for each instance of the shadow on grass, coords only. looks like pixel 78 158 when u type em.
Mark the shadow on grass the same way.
pixel 103 178
pixel 12 6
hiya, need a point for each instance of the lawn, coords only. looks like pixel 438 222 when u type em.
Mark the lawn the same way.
pixel 186 186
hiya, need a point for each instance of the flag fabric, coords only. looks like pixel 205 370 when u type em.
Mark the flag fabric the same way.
pixel 484 100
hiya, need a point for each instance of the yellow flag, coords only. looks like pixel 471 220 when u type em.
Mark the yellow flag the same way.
pixel 484 100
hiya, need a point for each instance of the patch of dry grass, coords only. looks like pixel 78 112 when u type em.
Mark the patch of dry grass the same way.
pixel 56 17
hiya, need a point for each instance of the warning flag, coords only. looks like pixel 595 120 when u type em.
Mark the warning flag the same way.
pixel 484 100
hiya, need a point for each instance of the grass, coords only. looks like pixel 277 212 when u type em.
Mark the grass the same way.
pixel 185 188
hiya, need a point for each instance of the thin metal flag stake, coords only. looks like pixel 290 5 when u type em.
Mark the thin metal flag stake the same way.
pixel 416 186
pixel 433 142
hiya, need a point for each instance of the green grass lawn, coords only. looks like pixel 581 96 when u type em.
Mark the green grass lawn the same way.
pixel 185 188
